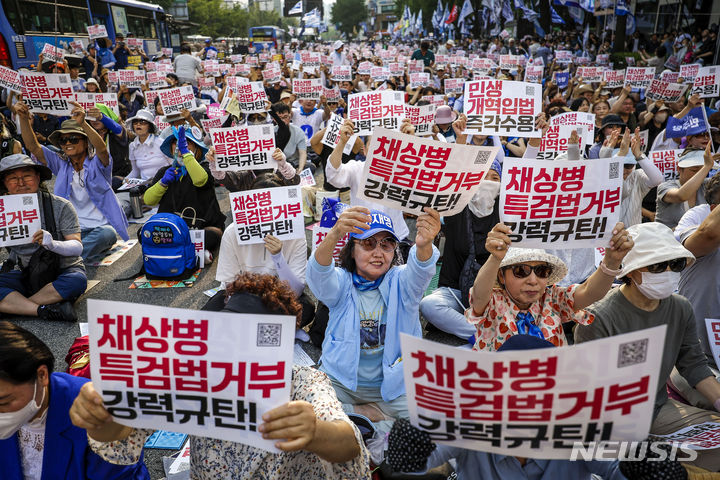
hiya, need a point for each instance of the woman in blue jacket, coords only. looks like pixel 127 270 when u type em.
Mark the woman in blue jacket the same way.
pixel 372 300
pixel 37 439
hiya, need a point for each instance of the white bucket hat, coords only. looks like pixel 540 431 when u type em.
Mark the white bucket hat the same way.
pixel 654 243
pixel 142 115
pixel 515 256
pixel 693 158
pixel 338 44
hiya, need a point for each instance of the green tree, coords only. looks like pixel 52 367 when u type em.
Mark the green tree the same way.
pixel 347 14
pixel 215 20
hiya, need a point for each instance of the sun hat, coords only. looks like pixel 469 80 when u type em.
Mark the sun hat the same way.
pixel 611 120
pixel 191 134
pixel 523 255
pixel 585 88
pixel 145 115
pixel 450 42
pixel 654 243
pixel 379 223
pixel 338 44
pixel 693 158
pixel 445 114
pixel 68 126
pixel 20 160
pixel 285 94
pixel 93 81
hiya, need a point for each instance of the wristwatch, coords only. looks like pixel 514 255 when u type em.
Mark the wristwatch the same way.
pixel 609 271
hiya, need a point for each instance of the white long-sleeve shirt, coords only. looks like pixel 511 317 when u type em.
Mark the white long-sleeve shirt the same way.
pixel 146 158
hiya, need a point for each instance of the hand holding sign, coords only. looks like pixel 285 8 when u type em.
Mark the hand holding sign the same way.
pixel 346 131
pixel 295 422
pixel 352 220
pixel 428 227
pixel 620 244
pixel 273 244
pixel 77 113
pixel 88 412
pixel 498 241
pixel 278 156
pixel 21 110
pixel 407 127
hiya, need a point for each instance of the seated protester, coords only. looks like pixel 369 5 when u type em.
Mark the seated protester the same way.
pixel 610 123
pixel 43 125
pixel 650 275
pixel 323 152
pixel 699 232
pixel 83 179
pixel 412 450
pixel 372 300
pixel 145 155
pixel 51 298
pixel 317 439
pixel 675 197
pixel 445 307
pixel 185 187
pixel 92 86
pixel 444 118
pixel 284 259
pixel 289 137
pixel 107 125
pixel 528 299
pixel 131 98
pixel 310 117
pixel 37 439
pixel 349 174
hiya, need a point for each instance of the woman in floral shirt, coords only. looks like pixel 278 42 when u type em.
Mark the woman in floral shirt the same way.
pixel 527 300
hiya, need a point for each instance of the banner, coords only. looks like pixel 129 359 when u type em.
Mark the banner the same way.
pixel 10 79
pixel 560 204
pixel 556 141
pixel 97 31
pixel 419 79
pixel 614 78
pixel 52 54
pixel 703 436
pixel 534 403
pixel 272 73
pixel 48 93
pixel 688 72
pixel 707 83
pixel 501 107
pixel 376 109
pixel 251 97
pixel 534 73
pixel 19 219
pixel 408 172
pixel 174 100
pixel 244 148
pixel 666 162
pixel 273 211
pixel 639 77
pixel 308 89
pixel 210 374
pixel 590 74
pixel 131 78
pixel 88 100
pixel 422 118
pixel 667 92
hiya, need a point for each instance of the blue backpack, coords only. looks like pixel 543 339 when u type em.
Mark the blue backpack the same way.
pixel 167 249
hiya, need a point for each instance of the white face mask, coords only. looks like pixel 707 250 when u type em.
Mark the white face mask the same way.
pixel 659 285
pixel 12 421
pixel 483 202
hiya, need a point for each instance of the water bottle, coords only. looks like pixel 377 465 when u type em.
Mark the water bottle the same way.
pixel 136 203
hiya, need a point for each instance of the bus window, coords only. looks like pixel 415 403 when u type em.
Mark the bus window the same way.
pixel 40 17
pixel 11 10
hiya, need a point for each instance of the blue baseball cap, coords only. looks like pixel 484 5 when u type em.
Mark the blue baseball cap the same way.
pixel 380 223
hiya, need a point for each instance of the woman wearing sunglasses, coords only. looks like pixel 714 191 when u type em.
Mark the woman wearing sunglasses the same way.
pixel 650 276
pixel 372 299
pixel 528 301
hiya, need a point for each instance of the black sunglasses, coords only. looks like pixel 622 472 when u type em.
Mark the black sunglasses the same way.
pixel 74 140
pixel 677 265
pixel 522 270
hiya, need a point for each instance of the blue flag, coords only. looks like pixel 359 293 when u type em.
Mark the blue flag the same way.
pixel 555 18
pixel 691 124
pixel 562 79
pixel 296 9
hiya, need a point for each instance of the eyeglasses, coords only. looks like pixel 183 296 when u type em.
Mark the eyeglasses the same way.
pixel 522 270
pixel 74 140
pixel 27 178
pixel 387 244
pixel 677 265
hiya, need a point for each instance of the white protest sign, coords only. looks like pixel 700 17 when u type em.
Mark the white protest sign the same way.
pixel 556 141
pixel 174 100
pixel 534 73
pixel 560 204
pixel 525 403
pixel 133 42
pixel 307 89
pixel 211 374
pixel 251 97
pixel 639 77
pixel 198 239
pixel 274 211
pixel 210 123
pixel 306 178
pixel 97 31
pixel 422 118
pixel 563 56
pixel 707 82
pixel 332 95
pixel 667 92
pixel 379 74
pixel 131 78
pixel 688 72
pixel 666 162
pixel 590 74
pixel 713 333
pixel 272 73
pixel 51 53
pixel 415 66
pixel 10 79
pixel 454 85
pixel 48 93
pixel 510 62
pixel 88 100
pixel 502 107
pixel 396 69
pixel 583 119
pixel 408 172
pixel 376 109
pixel 181 462
pixel 342 73
pixel 703 436
pixel 420 79
pixel 19 219
pixel 77 46
pixel 670 77
pixel 244 148
pixel 331 137
pixel 614 78
pixel 156 80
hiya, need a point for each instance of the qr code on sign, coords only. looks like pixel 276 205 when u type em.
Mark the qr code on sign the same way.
pixel 482 158
pixel 268 334
pixel 614 170
pixel 292 193
pixel 529 90
pixel 632 353
pixel 27 200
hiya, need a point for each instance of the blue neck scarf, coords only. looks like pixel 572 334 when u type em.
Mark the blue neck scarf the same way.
pixel 526 325
pixel 365 285
pixel 177 164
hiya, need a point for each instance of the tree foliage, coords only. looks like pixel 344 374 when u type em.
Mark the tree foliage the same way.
pixel 348 14
pixel 216 20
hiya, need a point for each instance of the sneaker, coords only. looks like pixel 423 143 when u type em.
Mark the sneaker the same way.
pixel 208 258
pixel 58 312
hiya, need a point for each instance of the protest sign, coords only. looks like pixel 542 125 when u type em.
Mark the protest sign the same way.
pixel 332 95
pixel 174 100
pixel 48 93
pixel 272 73
pixel 251 97
pixel 264 57
pixel 563 56
pixel 534 403
pixel 190 372
pixel 602 59
pixel 437 100
pixel 52 54
pixel 113 77
pixel 77 46
pixel 88 100
pixel 560 204
pixel 379 74
pixel 331 137
pixel 134 62
pixel 211 67
pixel 703 436
pixel 10 79
pixel 630 61
pixel 236 58
pixel 441 60
pixel 204 83
pixel 556 141
pixel 667 92
pixel 274 211
pixel 707 83
pixel 422 118
pixel 666 162
pixel 244 148
pixel 150 97
pixel 614 78
pixel 131 78
pixel 198 239
pixel 482 65
pixel 419 79
pixel 306 178
pixel 164 67
pixel 670 77
pixel 214 110
pixel 133 42
pixel 408 172
pixel 562 79
pixel 688 72
pixel 396 69
pixel 501 107
pixel 590 74
pixel 534 73
pixel 230 105
pixel 509 62
pixel 342 73
pixel 310 59
pixel 454 85
pixel 364 68
pixel 713 333
pixel 234 82
pixel 161 124
pixel 639 77
pixel 19 219
pixel 210 123
pixel 376 109
pixel 307 89
pixel 415 66
pixel 97 31
pixel 327 221
pixel 582 119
